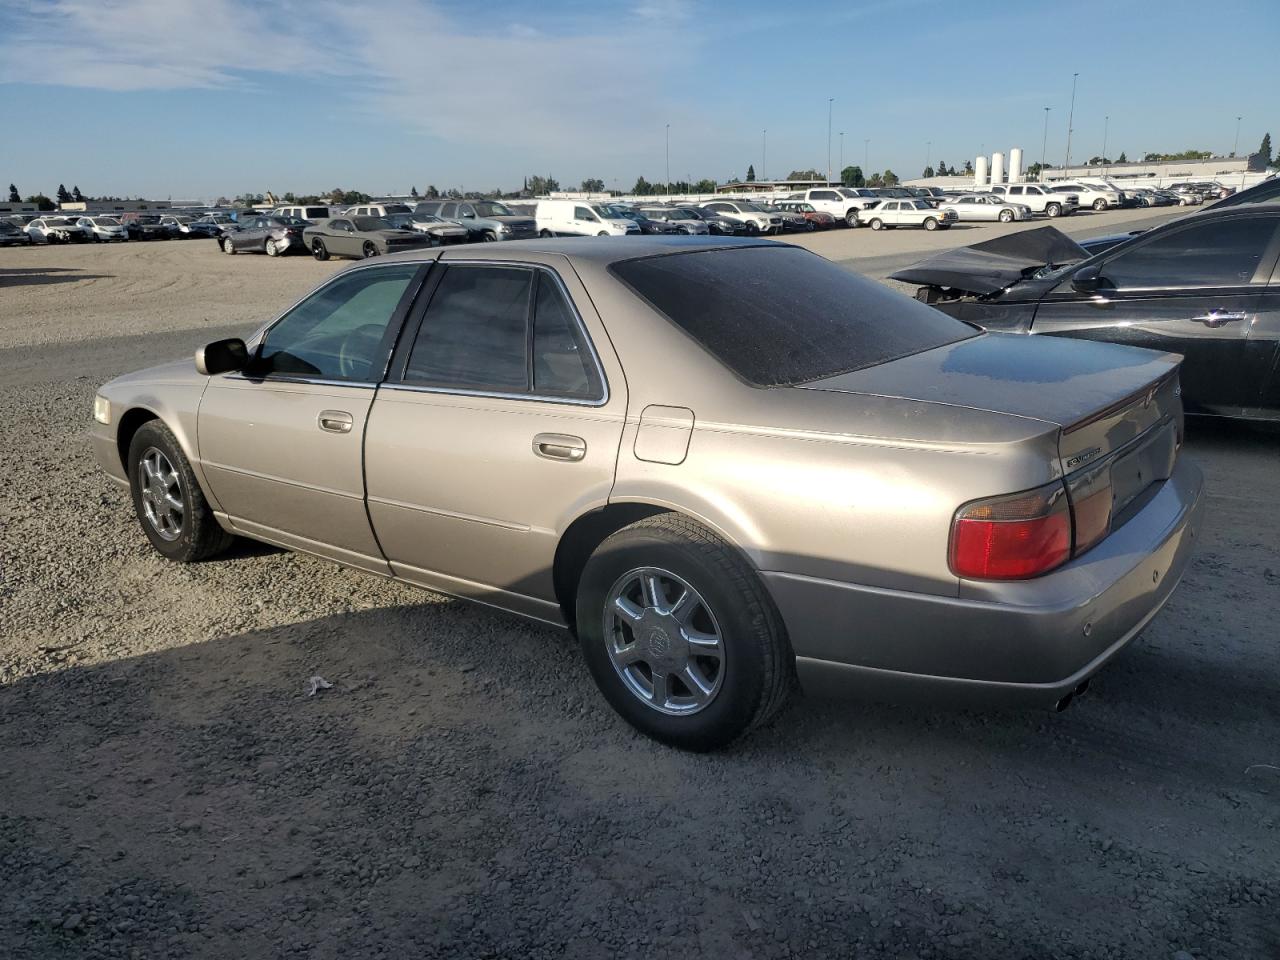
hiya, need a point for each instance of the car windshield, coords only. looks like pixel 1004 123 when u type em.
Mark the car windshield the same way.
pixel 808 318
pixel 921 205
pixel 394 208
pixel 107 222
pixel 488 208
pixel 58 222
pixel 750 208
pixel 372 223
pixel 610 213
pixel 147 218
pixel 686 213
pixel 400 219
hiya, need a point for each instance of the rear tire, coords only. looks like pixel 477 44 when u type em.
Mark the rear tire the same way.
pixel 876 224
pixel 750 670
pixel 1054 210
pixel 319 250
pixel 228 247
pixel 168 501
pixel 546 234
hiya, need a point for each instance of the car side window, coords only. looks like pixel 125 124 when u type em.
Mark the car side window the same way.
pixel 449 210
pixel 1015 191
pixel 475 332
pixel 1222 253
pixel 582 213
pixel 339 332
pixel 562 361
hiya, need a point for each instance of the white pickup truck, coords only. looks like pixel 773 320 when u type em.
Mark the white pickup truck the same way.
pixel 1039 198
pixel 843 203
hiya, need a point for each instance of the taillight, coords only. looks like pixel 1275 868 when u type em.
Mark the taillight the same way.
pixel 1013 537
pixel 1091 499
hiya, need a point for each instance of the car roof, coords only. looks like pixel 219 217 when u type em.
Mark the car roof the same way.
pixel 602 251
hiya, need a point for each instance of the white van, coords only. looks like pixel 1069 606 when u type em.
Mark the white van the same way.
pixel 376 209
pixel 577 218
pixel 303 212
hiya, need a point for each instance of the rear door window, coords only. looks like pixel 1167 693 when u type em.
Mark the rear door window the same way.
pixel 781 315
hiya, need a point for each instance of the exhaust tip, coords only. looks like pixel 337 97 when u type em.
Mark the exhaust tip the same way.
pixel 1082 689
pixel 1064 702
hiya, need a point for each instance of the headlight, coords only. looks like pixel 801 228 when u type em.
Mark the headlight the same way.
pixel 504 228
pixel 101 409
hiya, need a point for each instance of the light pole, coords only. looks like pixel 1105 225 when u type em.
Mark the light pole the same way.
pixel 928 153
pixel 668 161
pixel 1071 116
pixel 841 168
pixel 866 158
pixel 830 101
pixel 1236 145
pixel 1106 124
pixel 764 155
pixel 1044 143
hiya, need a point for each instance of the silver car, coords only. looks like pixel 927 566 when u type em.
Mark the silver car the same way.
pixel 721 462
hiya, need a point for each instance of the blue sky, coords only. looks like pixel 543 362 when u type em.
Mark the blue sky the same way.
pixel 195 98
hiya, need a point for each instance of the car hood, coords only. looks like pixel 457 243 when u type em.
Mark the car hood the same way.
pixel 1052 379
pixel 992 265
pixel 175 371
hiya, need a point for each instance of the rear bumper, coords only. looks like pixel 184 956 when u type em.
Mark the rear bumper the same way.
pixel 1036 642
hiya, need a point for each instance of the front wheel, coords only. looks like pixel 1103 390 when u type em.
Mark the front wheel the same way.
pixel 1054 210
pixel 1099 204
pixel 851 218
pixel 930 223
pixel 545 234
pixel 876 224
pixel 228 247
pixel 272 249
pixel 489 237
pixel 602 233
pixel 167 499
pixel 319 250
pixel 680 635
pixel 1006 216
pixel 753 230
pixel 370 249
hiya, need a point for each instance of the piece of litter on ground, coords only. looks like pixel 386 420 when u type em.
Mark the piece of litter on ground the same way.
pixel 1261 766
pixel 317 683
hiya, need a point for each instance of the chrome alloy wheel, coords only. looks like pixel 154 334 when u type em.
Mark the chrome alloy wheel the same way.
pixel 664 641
pixel 161 494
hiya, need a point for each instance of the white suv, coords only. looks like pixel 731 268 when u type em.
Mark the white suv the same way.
pixel 1091 194
pixel 1040 198
pixel 843 203
pixel 757 219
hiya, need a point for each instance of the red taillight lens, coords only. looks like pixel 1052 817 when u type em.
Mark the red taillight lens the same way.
pixel 1014 537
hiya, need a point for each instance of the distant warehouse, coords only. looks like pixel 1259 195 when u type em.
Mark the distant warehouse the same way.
pixel 113 206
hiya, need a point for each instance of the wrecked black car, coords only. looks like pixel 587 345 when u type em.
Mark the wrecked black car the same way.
pixel 1206 286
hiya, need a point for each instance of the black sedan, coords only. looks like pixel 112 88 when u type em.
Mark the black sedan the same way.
pixel 273 236
pixel 1205 286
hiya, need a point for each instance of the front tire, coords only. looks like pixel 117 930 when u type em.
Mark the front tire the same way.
pixel 228 247
pixel 851 218
pixel 1099 204
pixel 272 249
pixel 680 635
pixel 1054 210
pixel 1006 216
pixel 167 499
pixel 369 250
pixel 489 237
pixel 930 223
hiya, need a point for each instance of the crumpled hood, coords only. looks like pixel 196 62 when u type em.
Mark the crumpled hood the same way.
pixel 992 265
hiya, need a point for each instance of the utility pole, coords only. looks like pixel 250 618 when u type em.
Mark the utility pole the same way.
pixel 928 153
pixel 1106 123
pixel 1236 146
pixel 866 158
pixel 841 167
pixel 668 161
pixel 1071 116
pixel 1044 143
pixel 830 101
pixel 764 155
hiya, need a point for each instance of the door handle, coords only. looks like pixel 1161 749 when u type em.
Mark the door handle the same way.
pixel 559 446
pixel 335 421
pixel 1218 318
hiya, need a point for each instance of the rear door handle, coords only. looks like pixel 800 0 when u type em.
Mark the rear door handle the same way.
pixel 335 421
pixel 1217 318
pixel 559 446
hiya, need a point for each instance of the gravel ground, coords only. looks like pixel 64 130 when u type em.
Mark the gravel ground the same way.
pixel 170 789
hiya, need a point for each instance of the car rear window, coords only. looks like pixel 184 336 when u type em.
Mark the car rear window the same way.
pixel 778 315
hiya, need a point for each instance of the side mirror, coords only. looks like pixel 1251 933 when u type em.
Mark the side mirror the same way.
pixel 1087 280
pixel 222 356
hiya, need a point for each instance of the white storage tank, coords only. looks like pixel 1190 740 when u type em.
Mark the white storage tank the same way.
pixel 997 168
pixel 1015 165
pixel 980 172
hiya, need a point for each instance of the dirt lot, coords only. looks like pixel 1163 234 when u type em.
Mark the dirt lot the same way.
pixel 170 790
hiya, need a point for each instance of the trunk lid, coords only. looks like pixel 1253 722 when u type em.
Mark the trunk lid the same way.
pixel 1102 396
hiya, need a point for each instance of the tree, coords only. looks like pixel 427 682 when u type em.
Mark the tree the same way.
pixel 704 186
pixel 942 169
pixel 642 188
pixel 1264 149
pixel 876 180
pixel 928 172
pixel 751 173
pixel 76 195
pixel 289 197
pixel 432 192
pixel 1122 158
pixel 806 175
pixel 890 178
pixel 42 202
pixel 852 177
pixel 14 196
pixel 539 185
pixel 1098 161
pixel 968 168
pixel 413 192
pixel 63 196
pixel 1033 171
pixel 1184 155
pixel 592 185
